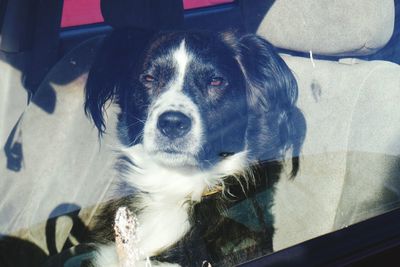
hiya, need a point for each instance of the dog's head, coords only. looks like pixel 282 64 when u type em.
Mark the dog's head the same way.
pixel 196 98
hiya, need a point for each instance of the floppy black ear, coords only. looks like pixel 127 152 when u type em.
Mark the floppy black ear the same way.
pixel 268 75
pixel 110 73
pixel 272 94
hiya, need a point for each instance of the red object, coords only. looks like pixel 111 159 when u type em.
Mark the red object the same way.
pixel 190 4
pixel 82 12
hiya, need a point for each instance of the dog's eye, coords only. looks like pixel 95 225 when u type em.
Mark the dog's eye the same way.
pixel 148 78
pixel 226 154
pixel 216 82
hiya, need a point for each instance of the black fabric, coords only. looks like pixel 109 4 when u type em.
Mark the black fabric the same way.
pixel 45 42
pixel 17 25
pixel 253 12
pixel 146 14
pixel 3 5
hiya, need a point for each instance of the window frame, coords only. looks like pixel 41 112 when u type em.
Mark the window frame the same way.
pixel 356 244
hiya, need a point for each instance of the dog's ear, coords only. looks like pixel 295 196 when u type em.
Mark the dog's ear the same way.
pixel 110 71
pixel 272 94
pixel 270 80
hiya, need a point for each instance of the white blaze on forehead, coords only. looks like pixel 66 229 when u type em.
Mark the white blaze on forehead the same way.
pixel 174 99
pixel 182 59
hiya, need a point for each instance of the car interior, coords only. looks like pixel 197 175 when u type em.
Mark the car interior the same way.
pixel 341 209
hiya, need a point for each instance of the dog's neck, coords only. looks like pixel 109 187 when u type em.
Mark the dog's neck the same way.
pixel 173 184
pixel 165 195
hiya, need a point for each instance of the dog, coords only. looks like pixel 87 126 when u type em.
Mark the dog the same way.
pixel 201 114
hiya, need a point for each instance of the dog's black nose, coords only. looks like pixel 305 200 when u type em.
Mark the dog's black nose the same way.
pixel 174 124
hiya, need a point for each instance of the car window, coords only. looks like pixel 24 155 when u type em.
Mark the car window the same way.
pixel 200 147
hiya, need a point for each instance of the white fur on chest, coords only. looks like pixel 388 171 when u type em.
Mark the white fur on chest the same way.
pixel 163 218
pixel 164 199
pixel 161 224
pixel 167 194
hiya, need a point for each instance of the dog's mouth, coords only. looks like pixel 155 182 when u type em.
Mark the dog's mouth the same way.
pixel 170 151
pixel 174 158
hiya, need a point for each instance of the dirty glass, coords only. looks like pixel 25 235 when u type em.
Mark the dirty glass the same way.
pixel 202 148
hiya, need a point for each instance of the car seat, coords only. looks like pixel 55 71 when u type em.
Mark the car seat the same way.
pixel 349 165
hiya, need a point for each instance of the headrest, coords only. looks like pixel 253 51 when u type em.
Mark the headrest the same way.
pixel 326 27
pixel 145 14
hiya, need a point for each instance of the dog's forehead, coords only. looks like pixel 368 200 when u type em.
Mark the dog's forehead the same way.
pixel 181 55
pixel 197 44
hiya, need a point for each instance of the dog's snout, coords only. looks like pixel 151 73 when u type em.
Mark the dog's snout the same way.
pixel 174 124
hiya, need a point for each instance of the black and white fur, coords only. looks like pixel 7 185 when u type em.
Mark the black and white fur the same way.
pixel 196 108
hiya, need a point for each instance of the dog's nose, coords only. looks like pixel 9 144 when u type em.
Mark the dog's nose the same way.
pixel 174 124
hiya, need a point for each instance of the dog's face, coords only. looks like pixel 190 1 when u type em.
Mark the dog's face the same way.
pixel 195 99
pixel 197 111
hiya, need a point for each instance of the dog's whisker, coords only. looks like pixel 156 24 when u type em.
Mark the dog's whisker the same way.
pixel 134 124
pixel 138 137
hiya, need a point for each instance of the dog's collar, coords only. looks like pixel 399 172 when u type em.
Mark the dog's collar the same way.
pixel 212 191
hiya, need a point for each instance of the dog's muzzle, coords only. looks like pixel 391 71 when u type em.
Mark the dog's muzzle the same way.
pixel 174 124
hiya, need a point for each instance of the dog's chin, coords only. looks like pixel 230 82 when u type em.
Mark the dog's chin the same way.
pixel 175 159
